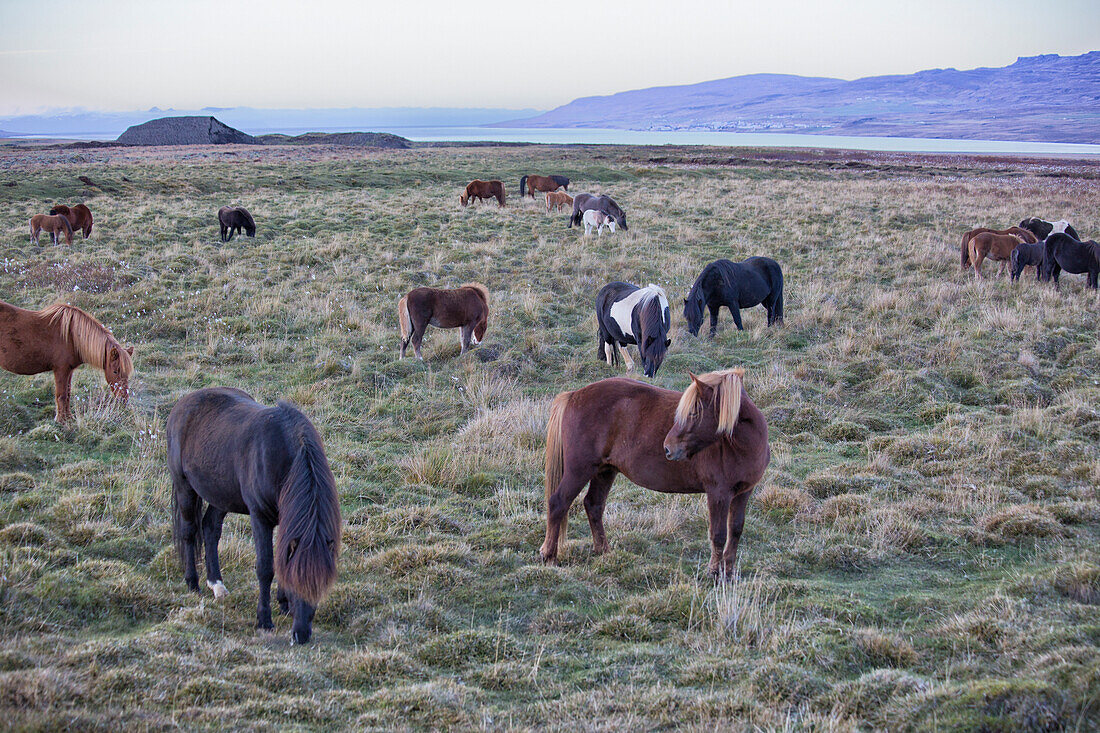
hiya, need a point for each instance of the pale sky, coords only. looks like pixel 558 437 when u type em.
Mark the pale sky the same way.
pixel 135 54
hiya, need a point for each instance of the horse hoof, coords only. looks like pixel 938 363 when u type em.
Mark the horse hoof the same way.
pixel 265 626
pixel 219 589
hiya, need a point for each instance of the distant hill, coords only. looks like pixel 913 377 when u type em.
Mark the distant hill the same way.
pixel 358 139
pixel 185 131
pixel 1046 98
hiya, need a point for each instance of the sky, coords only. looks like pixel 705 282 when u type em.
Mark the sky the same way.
pixel 118 55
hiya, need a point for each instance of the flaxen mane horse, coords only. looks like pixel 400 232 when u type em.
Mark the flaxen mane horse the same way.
pixel 964 249
pixel 466 307
pixel 55 225
pixel 79 216
pixel 233 219
pixel 736 285
pixel 239 456
pixel 482 190
pixel 997 247
pixel 711 439
pixel 59 339
pixel 529 184
pixel 627 314
pixel 1064 252
pixel 558 200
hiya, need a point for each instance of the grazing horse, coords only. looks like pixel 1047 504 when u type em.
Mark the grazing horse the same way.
pixel 80 217
pixel 711 439
pixel 54 225
pixel 585 201
pixel 1064 252
pixel 239 456
pixel 482 190
pixel 1043 229
pixel 59 339
pixel 997 247
pixel 736 285
pixel 233 219
pixel 558 200
pixel 529 184
pixel 466 307
pixel 627 314
pixel 964 250
pixel 1027 254
pixel 597 220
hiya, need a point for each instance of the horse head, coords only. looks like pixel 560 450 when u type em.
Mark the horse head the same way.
pixel 693 312
pixel 621 219
pixel 117 368
pixel 653 341
pixel 463 198
pixel 707 411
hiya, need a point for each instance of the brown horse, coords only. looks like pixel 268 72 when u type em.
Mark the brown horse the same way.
pixel 558 200
pixel 964 249
pixel 711 439
pixel 997 247
pixel 529 184
pixel 80 217
pixel 59 339
pixel 481 190
pixel 55 226
pixel 466 307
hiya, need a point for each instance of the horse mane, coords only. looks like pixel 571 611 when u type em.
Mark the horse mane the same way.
pixel 244 212
pixel 481 289
pixel 88 336
pixel 726 385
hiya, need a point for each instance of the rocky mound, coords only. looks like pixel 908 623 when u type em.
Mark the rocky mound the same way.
pixel 185 131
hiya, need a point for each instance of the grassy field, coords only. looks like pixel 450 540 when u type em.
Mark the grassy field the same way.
pixel 921 554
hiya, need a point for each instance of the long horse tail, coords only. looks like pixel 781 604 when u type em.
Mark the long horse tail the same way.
pixel 778 308
pixel 965 251
pixel 555 455
pixel 309 516
pixel 405 318
pixel 179 536
pixel 522 186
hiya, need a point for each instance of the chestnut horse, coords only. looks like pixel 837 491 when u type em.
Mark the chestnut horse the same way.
pixel 59 339
pixel 997 247
pixel 964 250
pixel 481 190
pixel 54 225
pixel 80 217
pixel 558 200
pixel 541 183
pixel 711 439
pixel 466 307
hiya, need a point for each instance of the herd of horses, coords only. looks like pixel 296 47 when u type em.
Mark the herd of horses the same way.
pixel 228 453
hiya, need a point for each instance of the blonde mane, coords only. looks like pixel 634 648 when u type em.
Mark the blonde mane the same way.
pixel 726 401
pixel 88 336
pixel 484 291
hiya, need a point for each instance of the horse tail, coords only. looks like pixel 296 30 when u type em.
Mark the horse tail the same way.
pixel 522 186
pixel 777 309
pixel 309 516
pixel 555 455
pixel 964 251
pixel 179 536
pixel 481 290
pixel 405 319
pixel 67 227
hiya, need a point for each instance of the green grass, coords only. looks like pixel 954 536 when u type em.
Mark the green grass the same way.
pixel 921 552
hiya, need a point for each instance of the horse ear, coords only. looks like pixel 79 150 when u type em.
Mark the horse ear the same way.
pixel 130 350
pixel 668 342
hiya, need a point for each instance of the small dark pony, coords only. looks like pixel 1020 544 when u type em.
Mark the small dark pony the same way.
pixel 736 285
pixel 529 184
pixel 627 314
pixel 239 456
pixel 79 216
pixel 711 439
pixel 55 225
pixel 59 339
pixel 1027 254
pixel 1042 228
pixel 466 307
pixel 582 202
pixel 964 250
pixel 481 191
pixel 233 219
pixel 1064 252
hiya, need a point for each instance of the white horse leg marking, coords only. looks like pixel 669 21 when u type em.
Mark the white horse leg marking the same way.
pixel 218 588
pixel 626 356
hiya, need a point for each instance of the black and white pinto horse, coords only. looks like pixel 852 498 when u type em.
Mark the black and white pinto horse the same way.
pixel 1063 252
pixel 582 202
pixel 1043 229
pixel 627 314
pixel 736 285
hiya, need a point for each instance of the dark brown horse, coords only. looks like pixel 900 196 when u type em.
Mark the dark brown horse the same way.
pixel 54 225
pixel 239 456
pixel 964 249
pixel 529 184
pixel 79 216
pixel 466 307
pixel 711 439
pixel 59 339
pixel 233 219
pixel 997 247
pixel 482 190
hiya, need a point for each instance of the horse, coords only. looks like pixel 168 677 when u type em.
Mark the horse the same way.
pixel 466 307
pixel 997 247
pixel 481 190
pixel 558 200
pixel 627 314
pixel 964 250
pixel 237 455
pixel 55 225
pixel 736 285
pixel 59 339
pixel 1027 254
pixel 529 184
pixel 1064 252
pixel 79 216
pixel 585 201
pixel 233 219
pixel 597 220
pixel 711 439
pixel 1043 229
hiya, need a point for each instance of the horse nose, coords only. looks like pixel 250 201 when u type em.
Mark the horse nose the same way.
pixel 668 453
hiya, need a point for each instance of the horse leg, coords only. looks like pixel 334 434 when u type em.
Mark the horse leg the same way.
pixel 265 569
pixel 223 228
pixel 718 512
pixel 464 337
pixel 735 311
pixel 211 535
pixel 187 515
pixel 62 381
pixel 557 511
pixel 594 503
pixel 417 337
pixel 713 319
pixel 626 357
pixel 737 509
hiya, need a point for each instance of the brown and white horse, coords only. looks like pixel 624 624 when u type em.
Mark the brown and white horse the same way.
pixel 466 307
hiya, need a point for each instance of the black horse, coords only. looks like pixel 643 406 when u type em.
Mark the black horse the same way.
pixel 582 202
pixel 239 456
pixel 735 285
pixel 1063 252
pixel 233 219
pixel 1027 254
pixel 627 314
pixel 1043 229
